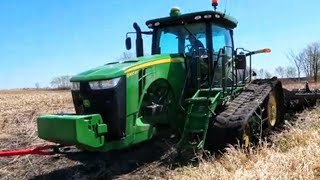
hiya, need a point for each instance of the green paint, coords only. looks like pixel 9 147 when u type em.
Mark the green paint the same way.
pixel 142 75
pixel 115 70
pixel 198 115
pixel 87 130
pixel 175 12
pixel 142 132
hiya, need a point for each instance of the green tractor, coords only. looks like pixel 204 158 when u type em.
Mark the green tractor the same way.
pixel 195 83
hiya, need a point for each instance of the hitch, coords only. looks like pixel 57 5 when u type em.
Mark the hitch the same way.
pixel 41 150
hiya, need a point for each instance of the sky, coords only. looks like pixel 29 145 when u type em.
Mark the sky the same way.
pixel 42 39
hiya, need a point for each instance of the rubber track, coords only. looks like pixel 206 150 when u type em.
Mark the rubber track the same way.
pixel 239 110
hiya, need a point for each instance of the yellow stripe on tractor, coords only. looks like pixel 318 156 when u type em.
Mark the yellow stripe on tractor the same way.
pixel 132 70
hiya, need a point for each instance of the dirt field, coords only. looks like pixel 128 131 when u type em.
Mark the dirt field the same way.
pixel 293 152
pixel 18 130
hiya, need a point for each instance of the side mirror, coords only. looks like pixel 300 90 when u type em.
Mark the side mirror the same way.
pixel 128 43
pixel 240 61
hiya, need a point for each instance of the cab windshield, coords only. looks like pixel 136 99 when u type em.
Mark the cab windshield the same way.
pixel 175 39
pixel 178 40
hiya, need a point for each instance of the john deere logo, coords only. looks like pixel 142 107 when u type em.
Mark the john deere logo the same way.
pixel 86 103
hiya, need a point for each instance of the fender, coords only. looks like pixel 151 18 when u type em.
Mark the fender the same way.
pixel 173 72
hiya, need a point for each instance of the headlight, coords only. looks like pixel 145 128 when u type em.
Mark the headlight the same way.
pixel 75 86
pixel 104 84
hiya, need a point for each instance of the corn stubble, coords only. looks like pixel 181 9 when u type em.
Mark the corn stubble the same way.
pixel 293 153
pixel 290 154
pixel 18 110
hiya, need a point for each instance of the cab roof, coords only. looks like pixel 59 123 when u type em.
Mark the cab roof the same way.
pixel 211 16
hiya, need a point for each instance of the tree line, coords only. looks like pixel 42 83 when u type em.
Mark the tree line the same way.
pixel 63 82
pixel 304 62
pixel 286 72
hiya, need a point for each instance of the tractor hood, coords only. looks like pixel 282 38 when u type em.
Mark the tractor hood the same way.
pixel 116 69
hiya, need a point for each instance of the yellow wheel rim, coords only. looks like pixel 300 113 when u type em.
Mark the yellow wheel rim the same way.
pixel 246 136
pixel 272 111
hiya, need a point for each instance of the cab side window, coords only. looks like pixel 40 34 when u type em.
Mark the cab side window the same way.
pixel 221 37
pixel 168 42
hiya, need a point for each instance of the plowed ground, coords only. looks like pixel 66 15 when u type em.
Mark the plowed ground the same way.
pixel 291 153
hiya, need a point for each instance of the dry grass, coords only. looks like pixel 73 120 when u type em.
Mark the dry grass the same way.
pixel 297 85
pixel 20 108
pixel 292 154
pixel 18 127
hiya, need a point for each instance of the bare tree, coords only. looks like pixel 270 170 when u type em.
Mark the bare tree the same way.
pixel 37 85
pixel 306 63
pixel 307 60
pixel 313 54
pixel 297 60
pixel 291 72
pixel 267 74
pixel 61 82
pixel 260 73
pixel 280 71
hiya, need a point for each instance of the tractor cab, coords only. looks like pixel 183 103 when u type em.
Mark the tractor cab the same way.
pixel 205 41
pixel 201 38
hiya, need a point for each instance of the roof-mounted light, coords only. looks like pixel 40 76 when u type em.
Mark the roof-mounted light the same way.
pixel 207 16
pixel 197 17
pixel 215 4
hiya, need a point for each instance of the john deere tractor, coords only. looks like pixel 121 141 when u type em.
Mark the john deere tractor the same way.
pixel 195 83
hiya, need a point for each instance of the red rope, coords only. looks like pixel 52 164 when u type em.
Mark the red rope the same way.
pixel 37 151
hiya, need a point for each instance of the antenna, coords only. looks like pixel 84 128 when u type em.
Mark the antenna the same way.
pixel 215 4
pixel 225 8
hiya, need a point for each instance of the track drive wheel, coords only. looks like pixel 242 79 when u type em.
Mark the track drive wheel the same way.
pixel 246 136
pixel 275 105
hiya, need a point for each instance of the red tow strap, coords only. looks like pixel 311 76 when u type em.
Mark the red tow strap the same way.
pixel 42 150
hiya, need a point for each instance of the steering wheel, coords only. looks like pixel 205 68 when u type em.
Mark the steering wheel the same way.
pixel 189 47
